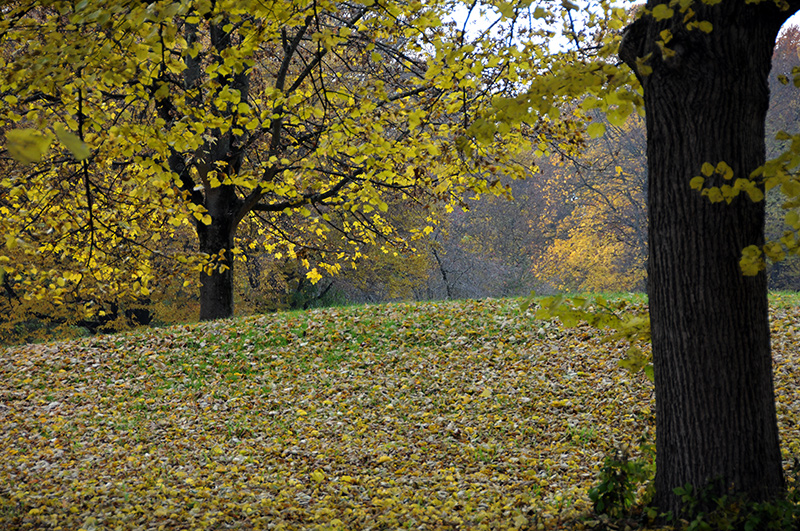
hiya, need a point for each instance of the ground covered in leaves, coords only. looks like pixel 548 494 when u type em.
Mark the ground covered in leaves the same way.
pixel 423 416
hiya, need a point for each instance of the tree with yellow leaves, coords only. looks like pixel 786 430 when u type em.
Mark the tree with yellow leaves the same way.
pixel 600 242
pixel 128 120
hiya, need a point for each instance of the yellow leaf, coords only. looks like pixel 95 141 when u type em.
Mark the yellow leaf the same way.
pixel 792 219
pixel 697 183
pixel 751 262
pixel 73 143
pixel 714 194
pixel 724 170
pixel 755 193
pixel 774 251
pixel 642 68
pixel 705 26
pixel 486 393
pixel 314 276
pixel 619 115
pixel 662 11
pixel 506 9
pixel 596 129
pixel 27 145
pixel 415 118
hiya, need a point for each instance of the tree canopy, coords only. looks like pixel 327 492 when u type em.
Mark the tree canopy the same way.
pixel 127 123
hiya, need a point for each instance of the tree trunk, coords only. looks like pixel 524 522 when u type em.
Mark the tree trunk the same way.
pixel 216 239
pixel 716 425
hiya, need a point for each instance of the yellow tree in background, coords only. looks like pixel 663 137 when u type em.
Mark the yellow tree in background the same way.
pixel 600 243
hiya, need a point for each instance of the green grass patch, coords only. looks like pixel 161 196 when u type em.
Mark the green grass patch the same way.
pixel 783 299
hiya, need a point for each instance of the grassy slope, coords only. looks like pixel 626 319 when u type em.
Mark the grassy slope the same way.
pixel 428 415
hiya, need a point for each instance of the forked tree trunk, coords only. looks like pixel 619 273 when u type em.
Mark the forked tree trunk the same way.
pixel 716 424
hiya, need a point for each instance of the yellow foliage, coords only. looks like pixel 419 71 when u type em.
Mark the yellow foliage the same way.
pixel 586 261
pixel 129 123
pixel 599 244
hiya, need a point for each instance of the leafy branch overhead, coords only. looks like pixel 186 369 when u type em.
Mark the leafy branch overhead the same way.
pixel 628 323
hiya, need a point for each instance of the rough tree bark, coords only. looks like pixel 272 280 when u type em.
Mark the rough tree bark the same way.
pixel 216 239
pixel 716 424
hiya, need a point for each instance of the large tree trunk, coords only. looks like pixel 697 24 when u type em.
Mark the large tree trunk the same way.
pixel 216 239
pixel 716 425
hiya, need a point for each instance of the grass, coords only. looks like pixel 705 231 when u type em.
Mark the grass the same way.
pixel 790 299
pixel 450 415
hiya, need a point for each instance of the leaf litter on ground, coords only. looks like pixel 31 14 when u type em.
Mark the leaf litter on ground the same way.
pixel 440 415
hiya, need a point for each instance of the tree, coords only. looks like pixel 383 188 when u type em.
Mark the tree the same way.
pixel 600 244
pixel 703 68
pixel 482 250
pixel 782 116
pixel 310 115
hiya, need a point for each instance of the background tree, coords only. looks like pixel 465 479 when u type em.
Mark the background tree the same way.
pixel 704 72
pixel 482 249
pixel 782 117
pixel 599 243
